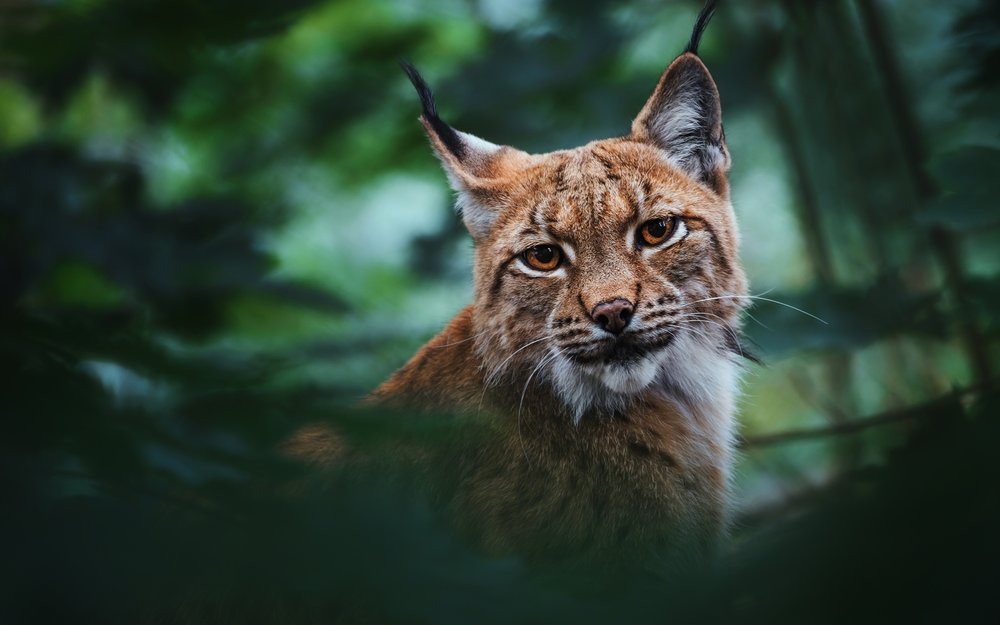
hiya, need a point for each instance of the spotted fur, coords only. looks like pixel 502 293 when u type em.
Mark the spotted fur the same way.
pixel 602 440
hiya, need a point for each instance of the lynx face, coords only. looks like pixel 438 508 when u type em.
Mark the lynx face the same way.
pixel 607 258
pixel 608 269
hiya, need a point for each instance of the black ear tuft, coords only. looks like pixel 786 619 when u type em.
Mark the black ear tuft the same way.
pixel 699 26
pixel 445 132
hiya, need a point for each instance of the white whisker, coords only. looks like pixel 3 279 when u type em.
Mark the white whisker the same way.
pixel 470 338
pixel 691 318
pixel 491 378
pixel 541 363
pixel 764 299
pixel 689 326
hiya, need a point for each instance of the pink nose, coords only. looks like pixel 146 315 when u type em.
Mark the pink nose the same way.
pixel 613 315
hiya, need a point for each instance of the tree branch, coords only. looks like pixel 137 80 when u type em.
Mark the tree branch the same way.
pixel 908 413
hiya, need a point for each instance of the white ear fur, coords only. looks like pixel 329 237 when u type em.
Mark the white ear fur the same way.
pixel 683 117
pixel 468 172
pixel 470 162
pixel 477 216
pixel 680 129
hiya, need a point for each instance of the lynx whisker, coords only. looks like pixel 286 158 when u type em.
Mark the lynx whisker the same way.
pixel 755 319
pixel 691 327
pixel 757 297
pixel 541 363
pixel 687 320
pixel 491 379
pixel 583 348
pixel 703 317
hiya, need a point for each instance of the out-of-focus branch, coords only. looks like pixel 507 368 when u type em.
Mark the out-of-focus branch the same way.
pixel 943 242
pixel 909 413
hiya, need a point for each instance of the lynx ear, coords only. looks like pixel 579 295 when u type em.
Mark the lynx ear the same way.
pixel 683 117
pixel 474 166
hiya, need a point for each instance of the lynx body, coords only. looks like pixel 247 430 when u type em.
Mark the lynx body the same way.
pixel 602 345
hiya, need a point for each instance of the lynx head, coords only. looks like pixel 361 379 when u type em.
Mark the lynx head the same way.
pixel 611 268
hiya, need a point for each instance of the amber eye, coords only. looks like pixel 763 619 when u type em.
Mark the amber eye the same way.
pixel 656 231
pixel 542 257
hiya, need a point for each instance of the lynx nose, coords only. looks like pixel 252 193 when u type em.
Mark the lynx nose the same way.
pixel 613 315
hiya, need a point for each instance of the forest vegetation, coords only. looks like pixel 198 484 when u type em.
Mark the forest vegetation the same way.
pixel 221 222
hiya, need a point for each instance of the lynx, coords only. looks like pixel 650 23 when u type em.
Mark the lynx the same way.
pixel 602 345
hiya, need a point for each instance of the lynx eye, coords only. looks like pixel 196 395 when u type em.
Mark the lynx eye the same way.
pixel 542 257
pixel 656 231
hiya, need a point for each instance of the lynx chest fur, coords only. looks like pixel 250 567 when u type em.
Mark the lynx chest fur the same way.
pixel 602 343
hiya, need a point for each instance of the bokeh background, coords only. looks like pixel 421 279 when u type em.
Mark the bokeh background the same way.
pixel 220 221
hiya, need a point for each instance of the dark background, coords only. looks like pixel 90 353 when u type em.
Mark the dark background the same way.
pixel 220 221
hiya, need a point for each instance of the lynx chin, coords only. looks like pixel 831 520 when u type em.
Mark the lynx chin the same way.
pixel 603 343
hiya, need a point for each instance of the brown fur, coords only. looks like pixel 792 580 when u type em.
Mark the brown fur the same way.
pixel 644 474
pixel 580 461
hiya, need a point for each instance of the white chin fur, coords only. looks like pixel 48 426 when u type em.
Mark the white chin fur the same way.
pixel 630 378
pixel 695 370
pixel 605 386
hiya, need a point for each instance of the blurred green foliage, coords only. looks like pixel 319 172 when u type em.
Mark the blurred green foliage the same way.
pixel 220 221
